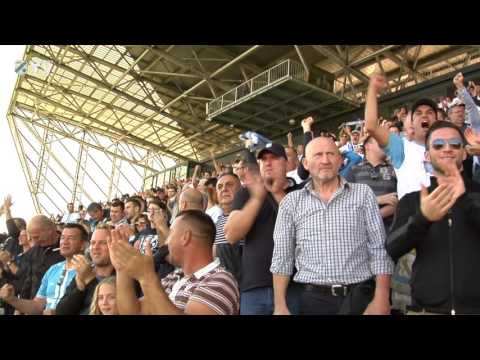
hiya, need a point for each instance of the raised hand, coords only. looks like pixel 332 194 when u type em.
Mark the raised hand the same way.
pixel 435 206
pixel 85 273
pixel 5 256
pixel 458 81
pixel 7 292
pixel 452 176
pixel 255 185
pixel 307 124
pixel 388 199
pixel 128 260
pixel 472 137
pixel 159 218
pixel 378 83
pixel 7 204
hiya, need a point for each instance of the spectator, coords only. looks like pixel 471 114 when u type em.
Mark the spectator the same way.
pixel 407 156
pixel 253 219
pixel 408 129
pixel 380 176
pixel 82 212
pixel 239 169
pixel 144 233
pixel 132 209
pixel 230 255
pixel 158 217
pixel 104 301
pixel 394 129
pixel 14 267
pixel 14 226
pixel 354 143
pixel 456 114
pixel 442 225
pixel 150 198
pixel 71 216
pixel 172 201
pixel 95 211
pixel 442 115
pixel 300 151
pixel 190 199
pixel 343 138
pixel 199 287
pixel 141 202
pixel 117 213
pixel 355 247
pixel 79 294
pixel 292 160
pixel 292 165
pixel 213 209
pixel 44 253
pixel 55 280
pixel 140 224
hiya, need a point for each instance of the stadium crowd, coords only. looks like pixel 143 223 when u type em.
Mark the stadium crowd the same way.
pixel 382 218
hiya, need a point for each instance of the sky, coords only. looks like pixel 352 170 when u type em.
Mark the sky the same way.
pixel 12 179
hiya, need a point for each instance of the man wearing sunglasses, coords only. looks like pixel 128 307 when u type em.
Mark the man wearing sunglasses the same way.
pixel 442 224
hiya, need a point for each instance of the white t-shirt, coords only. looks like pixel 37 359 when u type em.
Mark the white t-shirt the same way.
pixel 71 218
pixel 294 175
pixel 214 212
pixel 408 159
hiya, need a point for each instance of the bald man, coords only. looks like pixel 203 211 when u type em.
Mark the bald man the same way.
pixel 44 253
pixel 332 232
pixel 191 199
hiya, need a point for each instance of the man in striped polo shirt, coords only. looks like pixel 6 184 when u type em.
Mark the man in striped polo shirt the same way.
pixel 375 172
pixel 200 285
pixel 230 255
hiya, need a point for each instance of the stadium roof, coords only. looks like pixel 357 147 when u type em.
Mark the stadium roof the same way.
pixel 149 106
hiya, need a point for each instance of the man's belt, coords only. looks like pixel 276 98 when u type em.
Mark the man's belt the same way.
pixel 332 290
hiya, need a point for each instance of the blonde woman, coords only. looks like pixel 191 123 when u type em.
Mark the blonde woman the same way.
pixel 104 298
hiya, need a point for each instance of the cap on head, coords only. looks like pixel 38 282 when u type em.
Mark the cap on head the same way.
pixel 424 101
pixel 273 148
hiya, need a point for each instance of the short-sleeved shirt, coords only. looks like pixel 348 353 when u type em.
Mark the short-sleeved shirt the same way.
pixel 220 231
pixel 258 248
pixel 212 286
pixel 381 179
pixel 70 218
pixel 214 212
pixel 54 283
pixel 408 159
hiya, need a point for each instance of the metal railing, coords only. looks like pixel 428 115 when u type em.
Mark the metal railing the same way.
pixel 287 69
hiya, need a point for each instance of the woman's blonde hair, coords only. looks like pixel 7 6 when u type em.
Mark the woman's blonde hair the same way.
pixel 94 308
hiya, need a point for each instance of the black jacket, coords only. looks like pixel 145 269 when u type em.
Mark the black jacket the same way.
pixel 446 269
pixel 37 261
pixel 75 301
pixel 11 244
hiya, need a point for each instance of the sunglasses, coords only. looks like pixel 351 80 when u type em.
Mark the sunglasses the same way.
pixel 455 143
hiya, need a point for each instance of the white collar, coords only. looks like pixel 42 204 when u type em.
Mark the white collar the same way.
pixel 213 265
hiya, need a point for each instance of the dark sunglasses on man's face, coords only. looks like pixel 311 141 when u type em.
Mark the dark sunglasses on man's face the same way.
pixel 455 143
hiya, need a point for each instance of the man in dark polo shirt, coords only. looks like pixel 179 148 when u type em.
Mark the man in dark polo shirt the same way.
pixel 375 172
pixel 44 253
pixel 255 209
